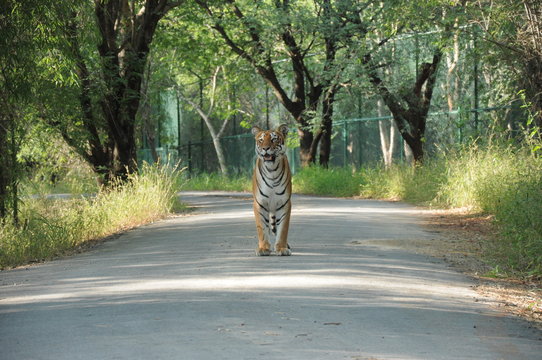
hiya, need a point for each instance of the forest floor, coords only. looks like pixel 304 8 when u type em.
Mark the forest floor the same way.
pixel 462 240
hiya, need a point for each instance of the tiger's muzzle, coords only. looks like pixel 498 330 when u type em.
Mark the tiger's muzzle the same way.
pixel 269 157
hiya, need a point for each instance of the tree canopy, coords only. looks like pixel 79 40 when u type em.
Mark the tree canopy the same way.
pixel 94 72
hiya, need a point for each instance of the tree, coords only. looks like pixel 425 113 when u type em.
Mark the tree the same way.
pixel 206 117
pixel 409 100
pixel 411 106
pixel 313 37
pixel 109 96
pixel 386 128
pixel 515 29
pixel 205 75
pixel 22 35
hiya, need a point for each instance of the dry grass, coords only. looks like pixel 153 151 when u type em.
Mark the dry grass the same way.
pixel 52 227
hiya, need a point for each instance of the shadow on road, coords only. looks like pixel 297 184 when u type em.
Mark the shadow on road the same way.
pixel 191 288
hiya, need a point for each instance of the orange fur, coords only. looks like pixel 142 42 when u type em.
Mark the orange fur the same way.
pixel 272 189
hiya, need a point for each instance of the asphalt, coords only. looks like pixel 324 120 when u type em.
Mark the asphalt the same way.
pixel 191 287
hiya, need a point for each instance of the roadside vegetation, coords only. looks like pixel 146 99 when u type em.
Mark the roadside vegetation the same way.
pixel 501 179
pixel 216 181
pixel 53 226
pixel 498 180
pixel 90 82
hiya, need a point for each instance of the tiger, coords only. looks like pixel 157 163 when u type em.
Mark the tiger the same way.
pixel 272 190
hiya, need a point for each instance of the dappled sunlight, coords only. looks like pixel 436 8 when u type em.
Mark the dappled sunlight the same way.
pixel 194 282
pixel 297 282
pixel 325 210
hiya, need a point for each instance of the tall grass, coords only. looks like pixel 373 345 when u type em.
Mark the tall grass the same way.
pixel 505 181
pixel 497 179
pixel 314 180
pixel 52 226
pixel 419 184
pixel 214 181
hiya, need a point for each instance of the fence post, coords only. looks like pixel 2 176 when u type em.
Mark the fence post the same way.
pixel 360 144
pixel 291 160
pixel 345 143
pixel 476 95
pixel 189 157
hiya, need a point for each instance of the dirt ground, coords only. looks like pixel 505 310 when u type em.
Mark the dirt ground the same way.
pixel 460 240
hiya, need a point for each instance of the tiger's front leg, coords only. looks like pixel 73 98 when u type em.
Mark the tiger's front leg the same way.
pixel 262 228
pixel 282 224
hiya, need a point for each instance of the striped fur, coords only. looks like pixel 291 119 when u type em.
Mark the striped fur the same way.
pixel 272 190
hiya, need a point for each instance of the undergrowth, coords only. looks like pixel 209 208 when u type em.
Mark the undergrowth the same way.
pixel 50 226
pixel 501 180
pixel 497 179
pixel 340 182
pixel 214 181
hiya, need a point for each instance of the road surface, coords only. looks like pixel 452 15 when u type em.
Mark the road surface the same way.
pixel 190 287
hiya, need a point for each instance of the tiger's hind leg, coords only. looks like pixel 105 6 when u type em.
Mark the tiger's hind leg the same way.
pixel 262 228
pixel 282 224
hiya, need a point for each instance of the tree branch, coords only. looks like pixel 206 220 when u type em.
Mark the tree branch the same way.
pixel 266 70
pixel 213 90
pixel 201 113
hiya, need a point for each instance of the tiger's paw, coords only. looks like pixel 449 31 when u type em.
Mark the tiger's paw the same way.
pixel 263 252
pixel 284 252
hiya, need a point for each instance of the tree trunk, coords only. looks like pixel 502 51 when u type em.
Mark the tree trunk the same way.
pixel 145 114
pixel 148 129
pixel 126 31
pixel 410 109
pixel 530 39
pixel 220 156
pixel 305 144
pixel 327 126
pixel 409 158
pixel 533 83
pixel 387 135
pixel 206 117
pixel 14 181
pixel 4 167
pixel 9 172
pixel 453 80
pixel 214 135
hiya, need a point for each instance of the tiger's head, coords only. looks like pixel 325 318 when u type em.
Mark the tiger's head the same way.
pixel 270 143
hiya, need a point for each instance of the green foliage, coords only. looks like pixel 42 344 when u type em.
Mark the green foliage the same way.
pixel 54 226
pixel 52 167
pixel 497 179
pixel 314 180
pixel 214 181
pixel 403 182
pixel 506 182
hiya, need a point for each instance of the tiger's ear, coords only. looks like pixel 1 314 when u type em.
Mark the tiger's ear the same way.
pixel 255 130
pixel 283 128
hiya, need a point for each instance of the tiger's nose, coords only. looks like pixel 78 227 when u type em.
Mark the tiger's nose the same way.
pixel 265 148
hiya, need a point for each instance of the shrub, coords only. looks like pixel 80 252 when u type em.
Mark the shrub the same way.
pixel 215 181
pixel 53 226
pixel 403 182
pixel 497 179
pixel 328 182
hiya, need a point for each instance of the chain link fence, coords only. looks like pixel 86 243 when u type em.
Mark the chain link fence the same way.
pixel 464 84
pixel 355 142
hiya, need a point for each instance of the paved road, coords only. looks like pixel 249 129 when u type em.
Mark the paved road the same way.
pixel 191 288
